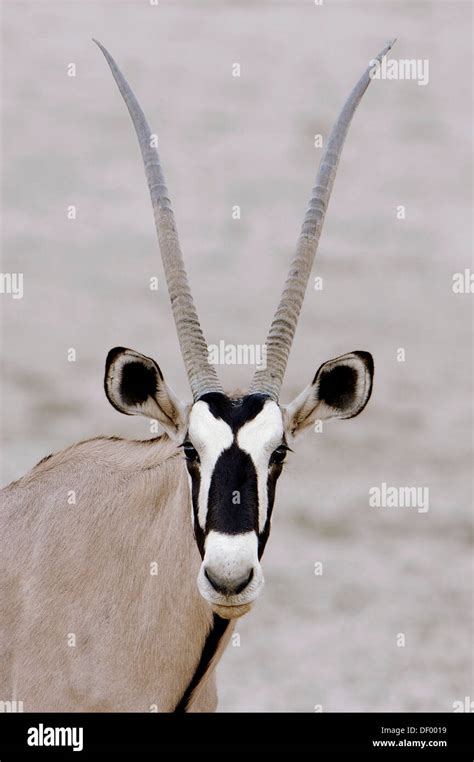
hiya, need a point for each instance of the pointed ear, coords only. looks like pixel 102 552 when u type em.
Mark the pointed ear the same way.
pixel 134 385
pixel 341 388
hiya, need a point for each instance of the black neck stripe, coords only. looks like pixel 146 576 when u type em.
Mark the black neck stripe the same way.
pixel 219 626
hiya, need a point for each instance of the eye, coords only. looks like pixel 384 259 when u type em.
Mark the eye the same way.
pixel 190 452
pixel 279 455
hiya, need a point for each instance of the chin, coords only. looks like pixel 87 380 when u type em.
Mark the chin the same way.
pixel 231 612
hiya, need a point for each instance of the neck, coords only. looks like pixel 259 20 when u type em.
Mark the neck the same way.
pixel 191 639
pixel 117 570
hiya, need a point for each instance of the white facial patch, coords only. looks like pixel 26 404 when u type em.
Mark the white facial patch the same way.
pixel 231 555
pixel 229 558
pixel 259 438
pixel 210 436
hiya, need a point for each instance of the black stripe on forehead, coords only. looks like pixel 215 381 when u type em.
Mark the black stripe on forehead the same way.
pixel 234 412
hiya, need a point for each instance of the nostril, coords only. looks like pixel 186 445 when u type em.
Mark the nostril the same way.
pixel 229 586
pixel 213 580
pixel 244 584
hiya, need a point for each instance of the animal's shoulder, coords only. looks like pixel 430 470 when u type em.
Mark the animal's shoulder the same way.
pixel 102 454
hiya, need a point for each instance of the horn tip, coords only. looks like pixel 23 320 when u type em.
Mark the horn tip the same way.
pixel 388 46
pixel 99 45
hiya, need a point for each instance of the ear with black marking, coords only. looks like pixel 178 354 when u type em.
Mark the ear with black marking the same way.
pixel 341 388
pixel 134 385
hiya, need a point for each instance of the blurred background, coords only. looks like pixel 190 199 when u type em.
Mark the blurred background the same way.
pixel 326 640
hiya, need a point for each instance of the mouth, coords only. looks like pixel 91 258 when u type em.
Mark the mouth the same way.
pixel 231 612
pixel 230 606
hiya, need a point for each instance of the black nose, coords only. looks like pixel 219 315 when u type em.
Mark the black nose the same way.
pixel 229 586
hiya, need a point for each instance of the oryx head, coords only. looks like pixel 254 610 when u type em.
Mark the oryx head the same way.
pixel 235 448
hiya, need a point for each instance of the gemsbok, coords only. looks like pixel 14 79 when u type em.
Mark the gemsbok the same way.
pixel 100 610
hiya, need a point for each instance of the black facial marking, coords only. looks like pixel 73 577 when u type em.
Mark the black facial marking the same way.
pixel 233 500
pixel 137 383
pixel 195 474
pixel 272 479
pixel 232 506
pixel 235 412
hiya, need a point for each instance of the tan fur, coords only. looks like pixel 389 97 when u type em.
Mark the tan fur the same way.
pixel 84 570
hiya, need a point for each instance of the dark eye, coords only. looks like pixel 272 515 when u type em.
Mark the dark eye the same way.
pixel 279 455
pixel 190 452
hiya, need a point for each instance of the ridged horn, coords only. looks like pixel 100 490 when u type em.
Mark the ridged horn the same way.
pixel 282 330
pixel 202 376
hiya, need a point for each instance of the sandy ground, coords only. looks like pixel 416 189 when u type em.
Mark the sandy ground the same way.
pixel 328 640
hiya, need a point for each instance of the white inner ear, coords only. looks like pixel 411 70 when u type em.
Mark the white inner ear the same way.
pixel 166 407
pixel 360 391
pixel 306 408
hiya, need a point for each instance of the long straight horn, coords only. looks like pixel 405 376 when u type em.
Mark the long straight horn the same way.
pixel 202 376
pixel 282 330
